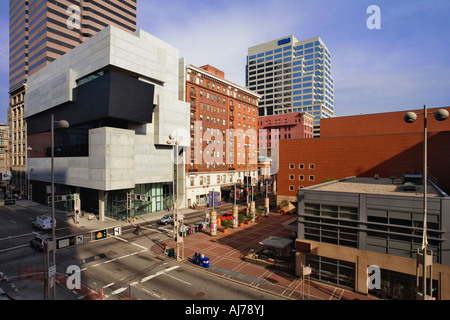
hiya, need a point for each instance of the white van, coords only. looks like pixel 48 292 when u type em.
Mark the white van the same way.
pixel 43 223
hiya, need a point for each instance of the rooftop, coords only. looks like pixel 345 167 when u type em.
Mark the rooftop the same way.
pixel 386 186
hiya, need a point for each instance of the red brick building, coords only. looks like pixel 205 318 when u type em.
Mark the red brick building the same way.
pixel 364 146
pixel 217 161
pixel 297 125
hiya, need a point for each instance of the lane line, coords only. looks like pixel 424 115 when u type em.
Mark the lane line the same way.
pixel 163 272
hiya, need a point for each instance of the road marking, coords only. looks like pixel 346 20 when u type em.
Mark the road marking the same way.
pixel 13 248
pixel 13 221
pixel 188 283
pixel 20 236
pixel 158 274
pixel 115 259
pixel 108 285
pixel 139 246
pixel 121 239
pixel 120 290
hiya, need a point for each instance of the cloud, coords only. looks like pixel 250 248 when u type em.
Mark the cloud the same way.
pixel 219 33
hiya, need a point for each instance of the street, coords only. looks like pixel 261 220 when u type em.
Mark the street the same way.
pixel 120 266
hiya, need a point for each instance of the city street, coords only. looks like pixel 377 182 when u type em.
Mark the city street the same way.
pixel 118 267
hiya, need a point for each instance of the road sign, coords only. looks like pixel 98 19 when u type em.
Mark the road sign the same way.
pixel 117 231
pixel 99 235
pixel 52 271
pixel 69 241
pixel 79 239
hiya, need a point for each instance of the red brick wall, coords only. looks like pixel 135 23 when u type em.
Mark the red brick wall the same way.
pixel 381 123
pixel 363 156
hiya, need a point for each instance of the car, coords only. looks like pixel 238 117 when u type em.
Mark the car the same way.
pixel 226 216
pixel 38 242
pixel 168 218
pixel 43 222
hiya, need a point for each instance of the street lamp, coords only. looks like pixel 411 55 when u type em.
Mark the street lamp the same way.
pixel 410 117
pixel 62 124
pixel 174 141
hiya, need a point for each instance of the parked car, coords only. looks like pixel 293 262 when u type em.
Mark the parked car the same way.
pixel 43 222
pixel 226 216
pixel 168 218
pixel 38 242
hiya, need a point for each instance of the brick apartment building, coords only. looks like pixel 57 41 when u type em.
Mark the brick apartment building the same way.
pixel 224 129
pixel 364 146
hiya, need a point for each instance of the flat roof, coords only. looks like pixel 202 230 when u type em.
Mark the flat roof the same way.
pixel 386 186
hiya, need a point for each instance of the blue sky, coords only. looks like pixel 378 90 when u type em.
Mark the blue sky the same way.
pixel 401 66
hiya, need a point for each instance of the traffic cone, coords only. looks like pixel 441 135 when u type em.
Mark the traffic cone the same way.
pixel 103 296
pixel 4 279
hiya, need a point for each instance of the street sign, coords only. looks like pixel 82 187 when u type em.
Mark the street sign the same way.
pixel 69 241
pixel 52 271
pixel 307 271
pixel 117 231
pixel 99 235
pixel 79 239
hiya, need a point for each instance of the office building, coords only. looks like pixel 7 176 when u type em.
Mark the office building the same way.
pixel 292 76
pixel 120 94
pixel 224 135
pixel 40 32
pixel 346 226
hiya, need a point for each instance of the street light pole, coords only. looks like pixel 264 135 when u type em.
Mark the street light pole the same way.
pixel 410 117
pixel 174 141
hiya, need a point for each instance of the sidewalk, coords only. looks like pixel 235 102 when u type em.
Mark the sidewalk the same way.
pixel 227 251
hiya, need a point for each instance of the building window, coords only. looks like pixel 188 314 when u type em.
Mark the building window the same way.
pixel 312 166
pixel 312 178
pixel 301 177
pixel 291 166
pixel 291 177
pixel 291 188
pixel 301 166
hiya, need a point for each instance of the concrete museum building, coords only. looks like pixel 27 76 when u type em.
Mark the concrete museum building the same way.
pixel 120 94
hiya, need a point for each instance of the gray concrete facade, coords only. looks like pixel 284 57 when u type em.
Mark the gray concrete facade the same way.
pixel 119 159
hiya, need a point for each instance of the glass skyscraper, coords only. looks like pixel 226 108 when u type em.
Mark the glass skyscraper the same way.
pixel 292 76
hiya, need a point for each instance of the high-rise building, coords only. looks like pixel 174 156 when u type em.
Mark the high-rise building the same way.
pixel 224 136
pixel 292 76
pixel 41 32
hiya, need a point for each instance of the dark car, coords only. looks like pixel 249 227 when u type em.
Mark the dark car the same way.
pixel 38 242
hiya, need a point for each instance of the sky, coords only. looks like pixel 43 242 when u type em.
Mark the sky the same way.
pixel 401 66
